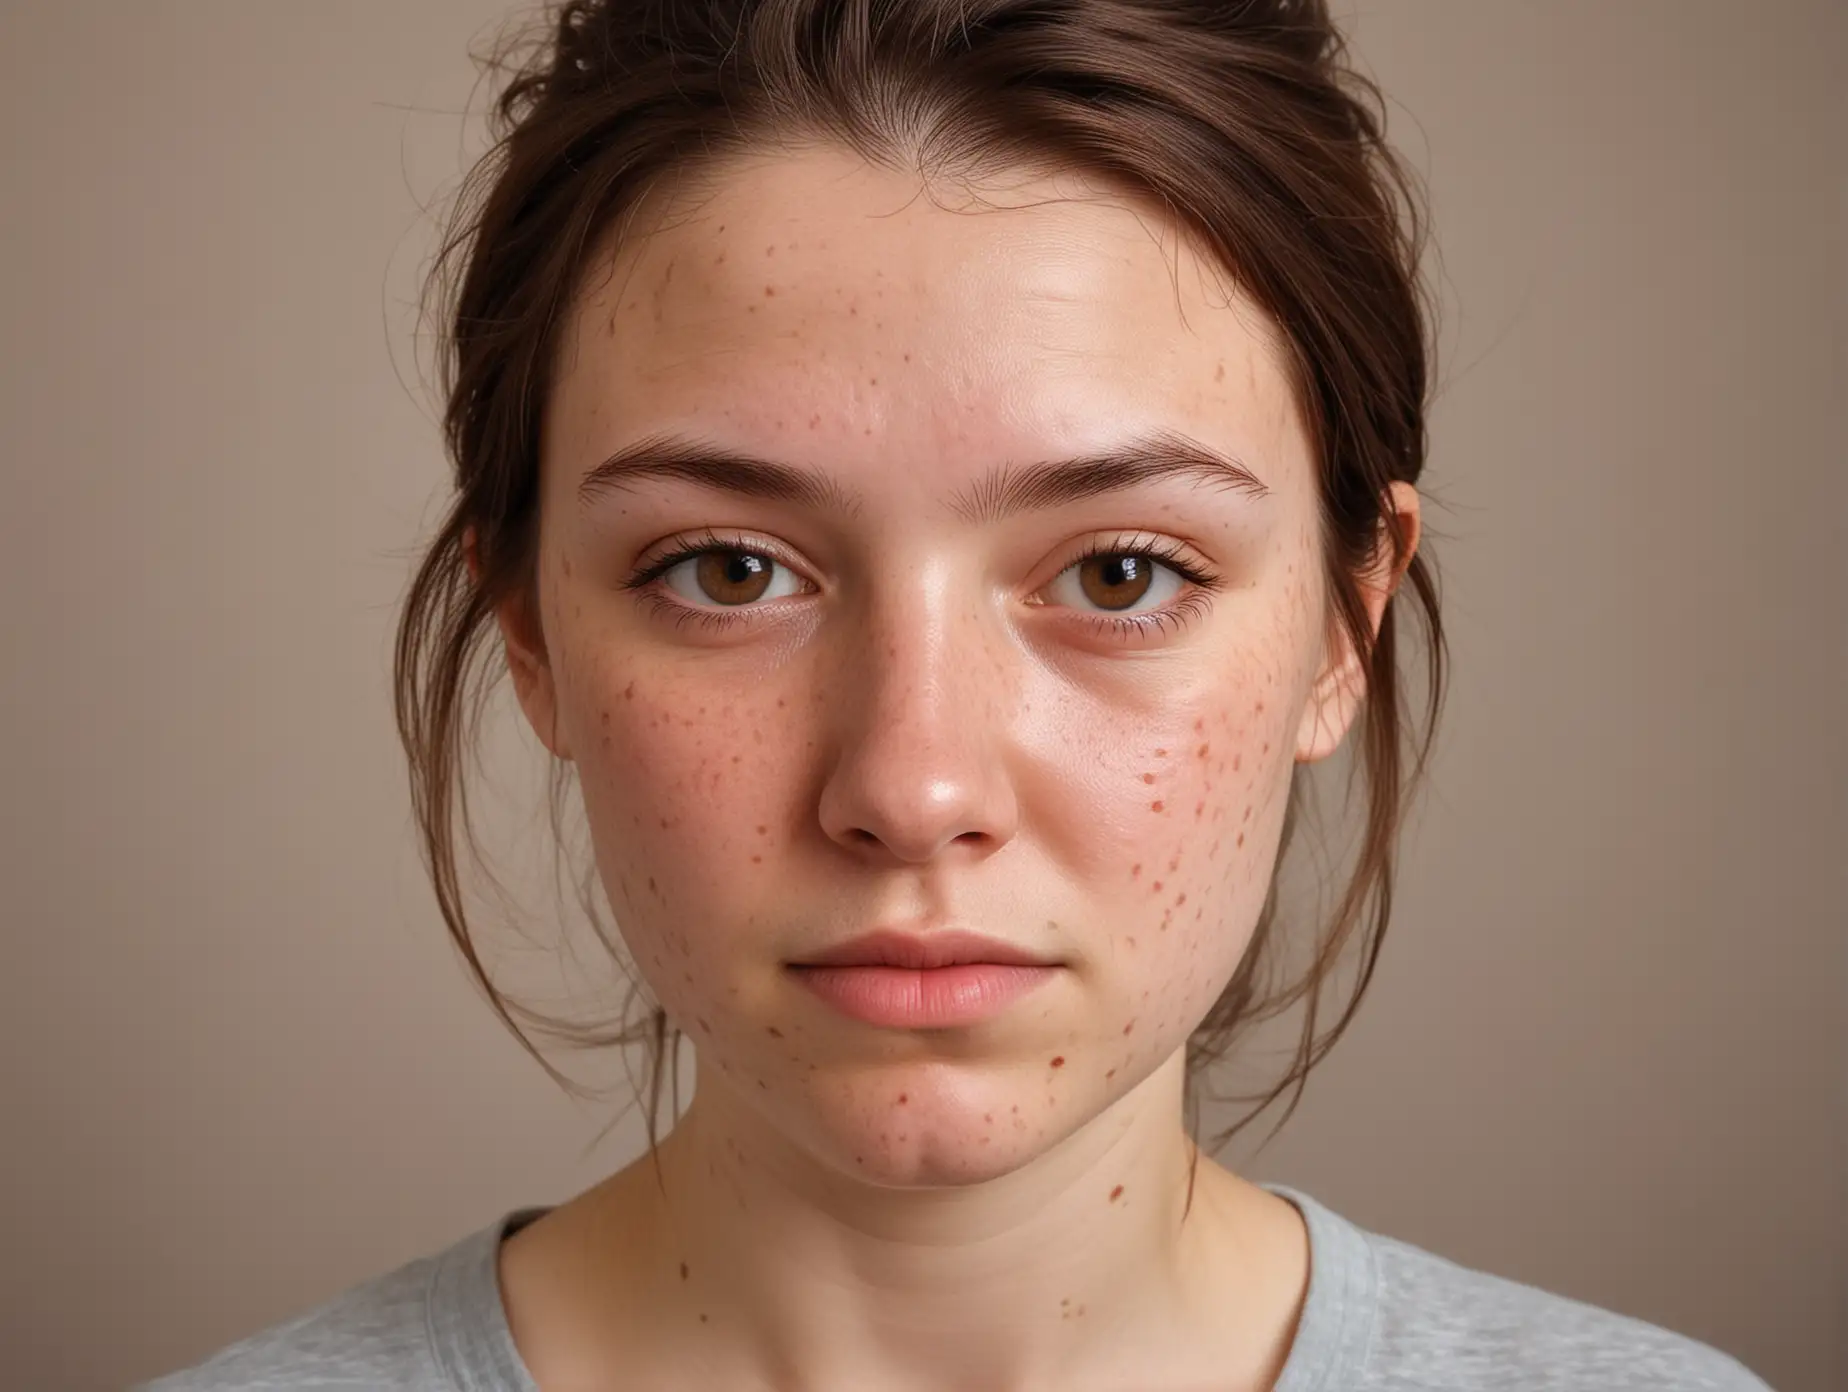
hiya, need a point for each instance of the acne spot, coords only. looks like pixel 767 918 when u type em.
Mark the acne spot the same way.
pixel 1199 808
pixel 1203 750
pixel 1156 888
pixel 1059 1062
pixel 989 1117
pixel 1130 1026
pixel 1199 725
pixel 1148 778
pixel 1155 806
pixel 903 1098
pixel 757 860
pixel 1134 871
pixel 1116 1193
pixel 628 692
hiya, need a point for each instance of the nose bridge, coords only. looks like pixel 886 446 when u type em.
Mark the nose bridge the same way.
pixel 920 700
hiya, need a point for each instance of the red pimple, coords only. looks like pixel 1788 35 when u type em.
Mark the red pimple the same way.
pixel 1059 1062
pixel 1155 806
pixel 1148 778
pixel 903 1098
pixel 1116 1193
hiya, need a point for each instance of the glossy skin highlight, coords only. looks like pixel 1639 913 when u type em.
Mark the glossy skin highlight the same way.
pixel 930 720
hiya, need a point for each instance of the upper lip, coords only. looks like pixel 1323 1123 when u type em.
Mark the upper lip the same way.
pixel 893 948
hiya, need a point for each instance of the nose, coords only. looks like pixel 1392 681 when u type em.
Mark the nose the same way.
pixel 919 706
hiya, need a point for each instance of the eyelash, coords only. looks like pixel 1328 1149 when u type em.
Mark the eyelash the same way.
pixel 1204 582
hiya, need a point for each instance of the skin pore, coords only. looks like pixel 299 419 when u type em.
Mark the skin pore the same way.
pixel 906 697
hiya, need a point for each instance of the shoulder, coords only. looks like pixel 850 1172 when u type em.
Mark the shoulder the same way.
pixel 1440 1325
pixel 374 1335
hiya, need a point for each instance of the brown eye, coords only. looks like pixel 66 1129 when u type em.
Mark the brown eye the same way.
pixel 1115 582
pixel 1123 580
pixel 725 577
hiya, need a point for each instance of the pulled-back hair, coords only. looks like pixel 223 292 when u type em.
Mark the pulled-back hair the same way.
pixel 1240 119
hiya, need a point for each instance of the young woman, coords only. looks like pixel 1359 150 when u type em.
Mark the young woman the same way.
pixel 939 472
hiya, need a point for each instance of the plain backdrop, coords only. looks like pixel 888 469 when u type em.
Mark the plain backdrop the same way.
pixel 1606 1050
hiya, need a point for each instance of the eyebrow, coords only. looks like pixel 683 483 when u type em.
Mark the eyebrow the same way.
pixel 1006 490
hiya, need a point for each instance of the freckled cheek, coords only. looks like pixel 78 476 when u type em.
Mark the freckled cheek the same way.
pixel 679 810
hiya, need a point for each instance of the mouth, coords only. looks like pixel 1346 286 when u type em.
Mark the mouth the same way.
pixel 943 981
pixel 889 948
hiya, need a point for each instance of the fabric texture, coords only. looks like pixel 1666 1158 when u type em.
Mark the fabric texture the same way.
pixel 1381 1316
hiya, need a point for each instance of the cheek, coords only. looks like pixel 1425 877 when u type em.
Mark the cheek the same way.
pixel 675 784
pixel 1194 866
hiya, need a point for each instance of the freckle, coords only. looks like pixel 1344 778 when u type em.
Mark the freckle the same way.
pixel 1148 778
pixel 1134 871
pixel 775 1033
pixel 1111 1074
pixel 1155 806
pixel 757 860
pixel 1241 838
pixel 1132 942
pixel 1202 750
pixel 684 1273
pixel 1116 1193
pixel 989 1117
pixel 703 1317
pixel 702 1024
pixel 651 885
pixel 1181 900
pixel 1156 889
pixel 1130 1026
pixel 1059 1062
pixel 1199 725
pixel 1267 746
pixel 1174 864
pixel 1235 762
pixel 1199 807
pixel 763 831
pixel 1247 816
pixel 903 1098
pixel 1015 1110
pixel 859 1159
pixel 628 692
pixel 1161 753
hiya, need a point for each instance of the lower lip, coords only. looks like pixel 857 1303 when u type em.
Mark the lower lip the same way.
pixel 937 998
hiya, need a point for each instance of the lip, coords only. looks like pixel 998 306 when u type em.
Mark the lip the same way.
pixel 899 980
pixel 889 947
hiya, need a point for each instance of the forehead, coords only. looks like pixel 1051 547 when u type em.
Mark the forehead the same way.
pixel 814 307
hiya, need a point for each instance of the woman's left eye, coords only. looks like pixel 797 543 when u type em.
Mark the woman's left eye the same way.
pixel 1117 581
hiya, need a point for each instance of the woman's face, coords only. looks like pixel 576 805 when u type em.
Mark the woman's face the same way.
pixel 892 691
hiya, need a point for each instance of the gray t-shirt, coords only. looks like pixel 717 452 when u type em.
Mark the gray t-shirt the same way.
pixel 1380 1316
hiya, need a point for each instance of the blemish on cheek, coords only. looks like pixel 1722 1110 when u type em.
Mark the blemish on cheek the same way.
pixel 1059 1062
pixel 628 692
pixel 1130 1026
pixel 1148 778
pixel 1134 871
pixel 1155 806
pixel 1241 838
pixel 774 1032
pixel 1155 888
pixel 1116 1193
pixel 1111 1074
pixel 1161 753
pixel 702 1024
pixel 903 1098
pixel 684 1273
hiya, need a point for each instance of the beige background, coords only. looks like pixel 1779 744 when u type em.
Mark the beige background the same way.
pixel 1606 1050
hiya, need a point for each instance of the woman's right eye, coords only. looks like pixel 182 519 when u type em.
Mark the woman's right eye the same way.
pixel 726 577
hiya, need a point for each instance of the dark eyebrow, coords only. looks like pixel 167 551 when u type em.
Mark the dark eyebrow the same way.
pixel 1007 490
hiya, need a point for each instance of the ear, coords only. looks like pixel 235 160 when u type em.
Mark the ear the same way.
pixel 527 661
pixel 1342 684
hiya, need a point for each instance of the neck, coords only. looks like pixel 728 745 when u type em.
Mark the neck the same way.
pixel 1089 1267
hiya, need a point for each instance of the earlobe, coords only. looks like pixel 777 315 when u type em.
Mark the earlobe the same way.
pixel 527 664
pixel 1338 692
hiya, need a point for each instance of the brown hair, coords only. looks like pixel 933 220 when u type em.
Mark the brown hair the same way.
pixel 1241 118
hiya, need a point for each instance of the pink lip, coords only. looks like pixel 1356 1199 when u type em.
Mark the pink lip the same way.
pixel 900 981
